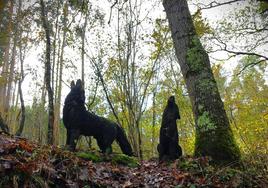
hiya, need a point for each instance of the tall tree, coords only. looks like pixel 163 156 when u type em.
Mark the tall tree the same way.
pixel 83 36
pixel 21 59
pixel 214 136
pixel 12 82
pixel 60 71
pixel 6 29
pixel 44 19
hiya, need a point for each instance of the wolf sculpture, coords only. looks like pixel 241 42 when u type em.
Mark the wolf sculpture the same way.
pixel 169 148
pixel 78 121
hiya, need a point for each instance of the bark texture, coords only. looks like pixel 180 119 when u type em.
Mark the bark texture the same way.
pixel 213 133
pixel 50 138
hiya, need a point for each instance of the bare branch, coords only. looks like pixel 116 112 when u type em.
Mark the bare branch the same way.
pixel 99 74
pixel 224 48
pixel 250 65
pixel 214 4
pixel 247 53
pixel 111 10
pixel 235 53
pixel 94 96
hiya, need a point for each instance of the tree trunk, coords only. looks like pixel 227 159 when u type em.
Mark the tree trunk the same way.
pixel 50 138
pixel 40 113
pixel 11 71
pixel 153 122
pixel 22 56
pixel 6 49
pixel 59 88
pixel 5 71
pixel 83 35
pixel 213 133
pixel 22 116
pixel 55 47
pixel 57 67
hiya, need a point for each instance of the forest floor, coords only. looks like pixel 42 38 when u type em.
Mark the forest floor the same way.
pixel 27 164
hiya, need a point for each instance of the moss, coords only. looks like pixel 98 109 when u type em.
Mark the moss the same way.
pixel 200 107
pixel 218 144
pixel 195 56
pixel 206 84
pixel 90 156
pixel 114 158
pixel 205 123
pixel 125 160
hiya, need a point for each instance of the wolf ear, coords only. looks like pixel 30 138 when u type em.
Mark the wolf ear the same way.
pixel 171 99
pixel 79 84
pixel 72 84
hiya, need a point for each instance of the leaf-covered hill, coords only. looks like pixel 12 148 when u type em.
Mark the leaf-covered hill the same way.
pixel 27 164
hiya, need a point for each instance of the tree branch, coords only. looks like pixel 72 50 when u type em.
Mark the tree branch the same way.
pixel 250 65
pixel 94 96
pixel 111 10
pixel 224 48
pixel 214 4
pixel 95 64
pixel 235 53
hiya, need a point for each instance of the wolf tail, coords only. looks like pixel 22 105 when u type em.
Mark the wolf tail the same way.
pixel 121 139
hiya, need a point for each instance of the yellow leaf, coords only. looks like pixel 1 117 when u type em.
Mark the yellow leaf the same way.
pixel 266 116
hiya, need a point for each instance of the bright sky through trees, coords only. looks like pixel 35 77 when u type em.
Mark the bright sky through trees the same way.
pixel 151 10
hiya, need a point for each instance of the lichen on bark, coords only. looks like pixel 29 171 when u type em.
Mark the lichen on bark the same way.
pixel 204 123
pixel 195 54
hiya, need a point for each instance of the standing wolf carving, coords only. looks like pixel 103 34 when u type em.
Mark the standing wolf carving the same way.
pixel 78 121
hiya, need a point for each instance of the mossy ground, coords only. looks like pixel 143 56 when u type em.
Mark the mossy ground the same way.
pixel 115 158
pixel 125 160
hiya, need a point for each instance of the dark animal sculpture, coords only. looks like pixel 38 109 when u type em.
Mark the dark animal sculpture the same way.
pixel 168 148
pixel 78 121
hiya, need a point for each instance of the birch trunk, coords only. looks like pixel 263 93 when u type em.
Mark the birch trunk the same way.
pixel 59 88
pixel 50 135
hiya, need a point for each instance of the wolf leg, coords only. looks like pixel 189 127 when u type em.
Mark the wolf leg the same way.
pixel 68 137
pixel 100 144
pixel 108 150
pixel 104 147
pixel 162 152
pixel 73 137
pixel 175 150
pixel 122 140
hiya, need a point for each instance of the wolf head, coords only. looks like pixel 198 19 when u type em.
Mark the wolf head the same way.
pixel 173 107
pixel 77 93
